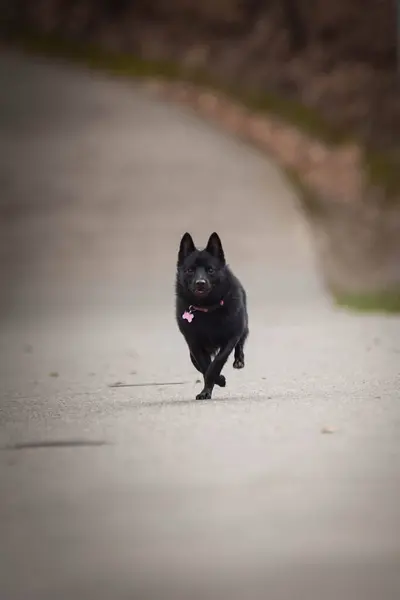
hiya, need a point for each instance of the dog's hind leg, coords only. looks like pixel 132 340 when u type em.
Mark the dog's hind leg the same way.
pixel 201 361
pixel 238 361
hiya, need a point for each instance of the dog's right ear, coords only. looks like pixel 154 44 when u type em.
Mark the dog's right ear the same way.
pixel 187 247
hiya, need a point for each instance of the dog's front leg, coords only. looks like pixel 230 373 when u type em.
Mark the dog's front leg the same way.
pixel 202 360
pixel 213 372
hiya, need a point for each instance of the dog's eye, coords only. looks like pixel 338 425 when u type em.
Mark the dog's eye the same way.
pixel 210 270
pixel 189 271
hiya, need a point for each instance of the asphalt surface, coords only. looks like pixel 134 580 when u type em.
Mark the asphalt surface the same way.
pixel 286 484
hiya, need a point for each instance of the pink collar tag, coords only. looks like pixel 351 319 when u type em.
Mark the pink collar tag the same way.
pixel 188 316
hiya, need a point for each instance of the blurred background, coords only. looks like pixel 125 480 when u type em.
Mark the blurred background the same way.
pixel 323 76
pixel 340 59
pixel 122 125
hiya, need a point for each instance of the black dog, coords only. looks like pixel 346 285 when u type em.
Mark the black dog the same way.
pixel 211 310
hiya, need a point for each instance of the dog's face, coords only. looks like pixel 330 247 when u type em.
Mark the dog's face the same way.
pixel 201 271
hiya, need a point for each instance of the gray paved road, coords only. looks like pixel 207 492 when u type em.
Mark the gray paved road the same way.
pixel 240 497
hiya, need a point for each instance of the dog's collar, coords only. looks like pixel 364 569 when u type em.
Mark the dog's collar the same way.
pixel 205 309
pixel 189 316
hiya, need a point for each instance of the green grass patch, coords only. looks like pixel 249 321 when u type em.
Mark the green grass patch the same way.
pixel 383 170
pixel 95 57
pixel 303 117
pixel 385 301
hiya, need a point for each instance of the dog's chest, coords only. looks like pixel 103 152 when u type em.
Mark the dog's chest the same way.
pixel 208 329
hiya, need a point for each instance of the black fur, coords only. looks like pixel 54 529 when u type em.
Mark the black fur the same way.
pixel 215 308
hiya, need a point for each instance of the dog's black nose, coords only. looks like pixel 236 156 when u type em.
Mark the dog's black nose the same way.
pixel 201 285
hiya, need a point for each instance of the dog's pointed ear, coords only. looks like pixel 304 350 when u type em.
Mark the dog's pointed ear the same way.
pixel 214 247
pixel 187 247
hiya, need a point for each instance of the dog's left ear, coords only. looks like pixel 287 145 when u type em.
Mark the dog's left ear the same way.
pixel 214 247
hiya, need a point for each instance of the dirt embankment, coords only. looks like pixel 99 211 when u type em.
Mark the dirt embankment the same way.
pixel 319 91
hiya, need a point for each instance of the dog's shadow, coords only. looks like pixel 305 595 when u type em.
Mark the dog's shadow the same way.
pixel 216 400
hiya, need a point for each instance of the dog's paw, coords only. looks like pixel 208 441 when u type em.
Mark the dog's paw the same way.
pixel 221 381
pixel 204 395
pixel 238 363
